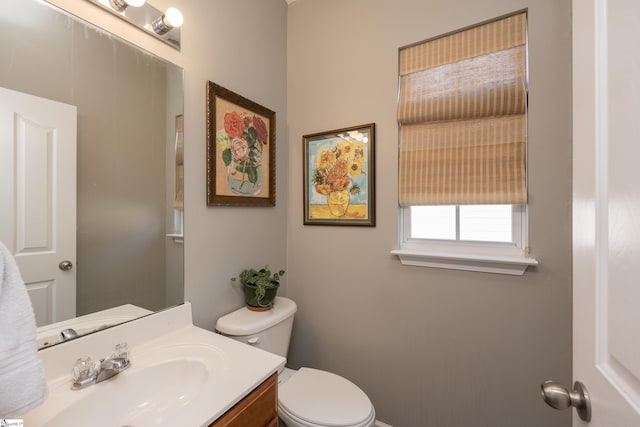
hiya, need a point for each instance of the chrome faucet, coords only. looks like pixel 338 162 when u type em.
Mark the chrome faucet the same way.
pixel 68 334
pixel 87 372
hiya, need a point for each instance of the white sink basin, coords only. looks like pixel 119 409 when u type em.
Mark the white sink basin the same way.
pixel 185 377
pixel 149 395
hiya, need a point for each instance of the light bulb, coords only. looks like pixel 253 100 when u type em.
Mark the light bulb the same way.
pixel 121 5
pixel 173 17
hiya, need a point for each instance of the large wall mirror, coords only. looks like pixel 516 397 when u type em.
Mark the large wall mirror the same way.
pixel 128 201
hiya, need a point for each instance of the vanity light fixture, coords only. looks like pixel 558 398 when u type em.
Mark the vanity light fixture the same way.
pixel 171 18
pixel 163 26
pixel 121 5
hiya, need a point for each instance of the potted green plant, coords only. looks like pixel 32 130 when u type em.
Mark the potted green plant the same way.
pixel 260 287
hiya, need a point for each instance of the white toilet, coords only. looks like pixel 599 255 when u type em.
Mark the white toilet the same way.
pixel 307 397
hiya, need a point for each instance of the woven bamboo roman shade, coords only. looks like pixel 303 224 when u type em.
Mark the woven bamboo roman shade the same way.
pixel 462 117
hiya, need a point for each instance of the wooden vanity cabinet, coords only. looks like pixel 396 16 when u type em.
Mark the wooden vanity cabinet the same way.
pixel 258 409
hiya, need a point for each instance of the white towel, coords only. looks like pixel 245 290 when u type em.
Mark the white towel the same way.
pixel 22 380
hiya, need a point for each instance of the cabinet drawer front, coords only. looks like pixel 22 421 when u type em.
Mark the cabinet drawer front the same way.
pixel 258 409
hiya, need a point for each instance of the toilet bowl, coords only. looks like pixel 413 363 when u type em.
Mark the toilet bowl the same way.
pixel 313 398
pixel 306 397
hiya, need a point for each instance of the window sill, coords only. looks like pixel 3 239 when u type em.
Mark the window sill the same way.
pixel 488 264
pixel 177 238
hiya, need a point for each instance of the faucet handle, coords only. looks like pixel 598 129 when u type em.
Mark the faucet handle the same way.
pixel 85 369
pixel 121 352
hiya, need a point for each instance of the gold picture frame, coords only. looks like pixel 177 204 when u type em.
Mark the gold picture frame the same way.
pixel 241 161
pixel 339 177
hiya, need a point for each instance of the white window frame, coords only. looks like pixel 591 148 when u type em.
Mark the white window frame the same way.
pixel 178 226
pixel 491 257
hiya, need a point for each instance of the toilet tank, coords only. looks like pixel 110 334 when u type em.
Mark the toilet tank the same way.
pixel 269 330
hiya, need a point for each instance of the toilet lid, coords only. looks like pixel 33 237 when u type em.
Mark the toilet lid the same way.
pixel 323 398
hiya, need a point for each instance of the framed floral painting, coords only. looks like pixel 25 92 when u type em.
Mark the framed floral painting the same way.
pixel 339 177
pixel 241 168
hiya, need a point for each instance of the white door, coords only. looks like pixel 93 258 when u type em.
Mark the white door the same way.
pixel 38 199
pixel 606 208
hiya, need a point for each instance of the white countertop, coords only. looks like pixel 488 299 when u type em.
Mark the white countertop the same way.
pixel 233 369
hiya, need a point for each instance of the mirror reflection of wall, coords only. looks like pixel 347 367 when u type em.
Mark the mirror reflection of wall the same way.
pixel 127 104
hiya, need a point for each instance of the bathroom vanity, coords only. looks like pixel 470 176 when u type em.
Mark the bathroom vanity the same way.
pixel 258 408
pixel 179 375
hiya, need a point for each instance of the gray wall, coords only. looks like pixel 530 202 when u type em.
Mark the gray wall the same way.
pixel 121 176
pixel 241 45
pixel 430 347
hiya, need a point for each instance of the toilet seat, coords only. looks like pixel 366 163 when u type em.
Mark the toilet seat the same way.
pixel 292 421
pixel 314 398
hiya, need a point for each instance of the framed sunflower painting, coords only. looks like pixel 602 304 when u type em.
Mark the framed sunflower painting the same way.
pixel 339 177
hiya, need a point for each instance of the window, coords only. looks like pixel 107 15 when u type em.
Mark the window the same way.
pixel 178 203
pixel 472 223
pixel 463 134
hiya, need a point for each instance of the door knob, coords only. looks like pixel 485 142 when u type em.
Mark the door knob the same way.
pixel 65 265
pixel 558 397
